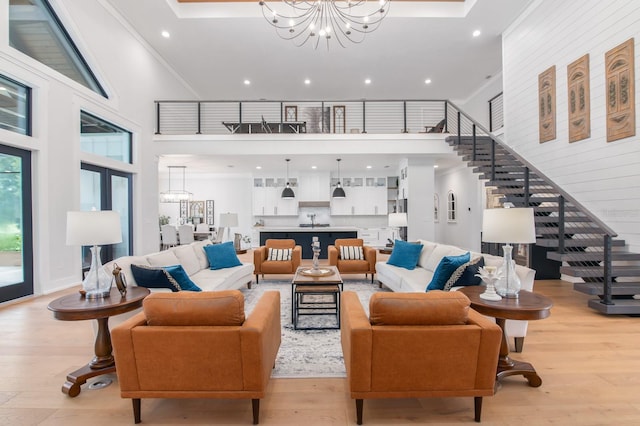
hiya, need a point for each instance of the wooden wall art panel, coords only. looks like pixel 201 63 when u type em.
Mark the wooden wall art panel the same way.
pixel 579 99
pixel 621 111
pixel 547 104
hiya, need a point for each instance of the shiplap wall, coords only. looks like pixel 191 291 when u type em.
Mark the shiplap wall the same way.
pixel 604 177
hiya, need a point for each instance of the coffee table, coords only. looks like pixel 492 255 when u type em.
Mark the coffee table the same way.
pixel 330 283
pixel 528 306
pixel 75 307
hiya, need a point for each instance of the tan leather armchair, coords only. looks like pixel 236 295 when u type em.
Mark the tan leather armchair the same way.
pixel 418 345
pixel 198 345
pixel 264 266
pixel 350 266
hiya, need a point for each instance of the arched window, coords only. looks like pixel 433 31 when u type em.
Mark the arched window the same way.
pixel 451 207
pixel 436 207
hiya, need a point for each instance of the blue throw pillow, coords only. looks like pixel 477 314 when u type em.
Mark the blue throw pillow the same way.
pixel 466 274
pixel 405 255
pixel 222 255
pixel 147 276
pixel 178 273
pixel 445 269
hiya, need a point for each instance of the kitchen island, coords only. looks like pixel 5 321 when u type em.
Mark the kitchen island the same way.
pixel 303 236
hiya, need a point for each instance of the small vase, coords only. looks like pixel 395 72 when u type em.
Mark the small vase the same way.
pixel 509 283
pixel 97 283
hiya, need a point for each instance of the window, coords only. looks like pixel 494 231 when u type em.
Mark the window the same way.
pixel 15 106
pixel 451 207
pixel 36 31
pixel 436 207
pixel 103 138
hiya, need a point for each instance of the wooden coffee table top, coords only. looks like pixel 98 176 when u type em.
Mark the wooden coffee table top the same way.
pixel 74 307
pixel 528 305
pixel 300 278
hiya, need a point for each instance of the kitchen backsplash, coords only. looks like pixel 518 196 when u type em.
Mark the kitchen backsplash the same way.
pixel 320 215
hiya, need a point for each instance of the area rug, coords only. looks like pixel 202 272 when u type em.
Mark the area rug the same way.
pixel 308 353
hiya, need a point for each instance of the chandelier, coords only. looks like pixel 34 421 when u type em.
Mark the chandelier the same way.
pixel 314 21
pixel 176 195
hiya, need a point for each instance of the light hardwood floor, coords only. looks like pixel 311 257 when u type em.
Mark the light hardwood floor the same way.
pixel 589 364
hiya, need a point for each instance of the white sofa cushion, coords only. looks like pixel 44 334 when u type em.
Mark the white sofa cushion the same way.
pixel 427 249
pixel 198 248
pixel 125 263
pixel 164 258
pixel 221 279
pixel 188 259
pixel 440 251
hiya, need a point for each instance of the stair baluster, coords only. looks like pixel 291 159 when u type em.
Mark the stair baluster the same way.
pixel 561 224
pixel 606 297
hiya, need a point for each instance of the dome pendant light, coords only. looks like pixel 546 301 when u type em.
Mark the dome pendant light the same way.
pixel 287 192
pixel 338 192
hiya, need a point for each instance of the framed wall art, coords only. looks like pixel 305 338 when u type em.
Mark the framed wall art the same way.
pixel 621 111
pixel 547 104
pixel 579 99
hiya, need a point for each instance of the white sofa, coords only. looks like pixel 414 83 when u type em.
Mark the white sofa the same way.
pixel 404 280
pixel 194 261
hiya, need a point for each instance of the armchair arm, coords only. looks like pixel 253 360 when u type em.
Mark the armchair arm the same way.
pixel 124 352
pixel 489 349
pixel 332 252
pixel 260 337
pixel 296 257
pixel 370 256
pixel 357 341
pixel 259 255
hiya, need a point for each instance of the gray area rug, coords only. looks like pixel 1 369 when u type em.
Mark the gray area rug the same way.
pixel 308 353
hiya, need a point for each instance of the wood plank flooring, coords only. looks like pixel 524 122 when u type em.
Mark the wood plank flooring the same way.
pixel 589 364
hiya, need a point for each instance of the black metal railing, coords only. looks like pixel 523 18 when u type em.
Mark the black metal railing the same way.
pixel 496 112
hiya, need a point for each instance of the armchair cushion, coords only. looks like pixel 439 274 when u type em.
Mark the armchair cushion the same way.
pixel 279 254
pixel 211 308
pixel 465 274
pixel 433 308
pixel 351 253
pixel 445 269
pixel 222 255
pixel 150 277
pixel 405 255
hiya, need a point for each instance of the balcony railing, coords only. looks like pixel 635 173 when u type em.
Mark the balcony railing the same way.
pixel 370 116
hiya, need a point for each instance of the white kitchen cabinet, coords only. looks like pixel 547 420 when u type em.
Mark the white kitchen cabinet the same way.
pixel 268 201
pixel 365 196
pixel 313 187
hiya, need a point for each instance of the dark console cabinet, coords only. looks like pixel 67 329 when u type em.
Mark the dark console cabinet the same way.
pixel 305 238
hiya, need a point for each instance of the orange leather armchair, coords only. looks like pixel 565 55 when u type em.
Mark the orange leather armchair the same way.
pixel 418 345
pixel 263 265
pixel 351 266
pixel 198 345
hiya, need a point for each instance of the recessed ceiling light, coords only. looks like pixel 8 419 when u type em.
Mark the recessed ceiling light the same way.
pixel 435 166
pixel 314 167
pixel 307 81
pixel 427 81
pixel 368 167
pixel 165 34
pixel 258 167
pixel 476 33
pixel 367 81
pixel 247 82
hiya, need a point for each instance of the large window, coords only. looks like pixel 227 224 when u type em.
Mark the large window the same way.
pixel 15 106
pixel 106 189
pixel 102 138
pixel 36 31
pixel 16 245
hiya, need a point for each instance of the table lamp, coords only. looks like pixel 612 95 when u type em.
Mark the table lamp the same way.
pixel 396 220
pixel 508 225
pixel 228 221
pixel 94 228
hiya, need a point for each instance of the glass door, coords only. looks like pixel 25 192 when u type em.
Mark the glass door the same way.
pixel 16 234
pixel 107 189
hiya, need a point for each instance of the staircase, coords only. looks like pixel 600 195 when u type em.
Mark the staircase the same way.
pixel 586 247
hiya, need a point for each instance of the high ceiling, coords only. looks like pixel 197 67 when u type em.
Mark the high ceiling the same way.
pixel 215 46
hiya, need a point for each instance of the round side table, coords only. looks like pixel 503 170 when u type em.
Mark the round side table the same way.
pixel 75 307
pixel 528 306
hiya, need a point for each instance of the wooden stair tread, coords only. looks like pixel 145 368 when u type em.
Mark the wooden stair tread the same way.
pixel 581 242
pixel 570 230
pixel 556 219
pixel 597 289
pixel 585 256
pixel 598 271
pixel 619 307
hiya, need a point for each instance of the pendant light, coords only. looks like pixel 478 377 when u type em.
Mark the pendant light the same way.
pixel 338 192
pixel 287 192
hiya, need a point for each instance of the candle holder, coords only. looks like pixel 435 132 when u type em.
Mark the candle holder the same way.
pixel 490 276
pixel 315 246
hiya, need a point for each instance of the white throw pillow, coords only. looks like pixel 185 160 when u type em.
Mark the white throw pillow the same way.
pixel 279 254
pixel 351 253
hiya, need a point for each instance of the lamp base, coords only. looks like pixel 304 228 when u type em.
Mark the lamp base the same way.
pixel 97 283
pixel 509 284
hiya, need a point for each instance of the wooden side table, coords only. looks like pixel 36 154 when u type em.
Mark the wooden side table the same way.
pixel 75 307
pixel 385 250
pixel 528 306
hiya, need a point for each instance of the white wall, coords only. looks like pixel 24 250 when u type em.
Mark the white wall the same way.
pixel 133 78
pixel 604 177
pixel 477 105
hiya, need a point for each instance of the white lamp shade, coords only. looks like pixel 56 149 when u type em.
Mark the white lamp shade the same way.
pixel 397 219
pixel 228 220
pixel 515 225
pixel 93 228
